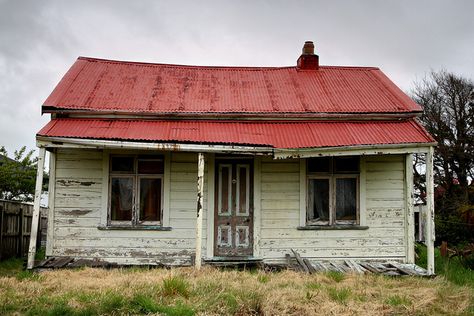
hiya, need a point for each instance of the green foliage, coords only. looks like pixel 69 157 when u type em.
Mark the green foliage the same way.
pixel 17 175
pixel 453 269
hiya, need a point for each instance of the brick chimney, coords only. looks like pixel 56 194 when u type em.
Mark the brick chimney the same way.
pixel 308 60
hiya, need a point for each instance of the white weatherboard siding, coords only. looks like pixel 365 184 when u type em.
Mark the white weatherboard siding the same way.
pixel 78 212
pixel 383 214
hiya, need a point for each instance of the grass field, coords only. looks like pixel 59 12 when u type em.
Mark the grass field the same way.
pixel 183 291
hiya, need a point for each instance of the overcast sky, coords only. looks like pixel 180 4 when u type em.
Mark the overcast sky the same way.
pixel 39 41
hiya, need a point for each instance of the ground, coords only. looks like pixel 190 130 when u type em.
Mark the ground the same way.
pixel 184 291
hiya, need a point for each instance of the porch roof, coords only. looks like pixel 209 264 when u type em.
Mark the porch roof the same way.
pixel 273 134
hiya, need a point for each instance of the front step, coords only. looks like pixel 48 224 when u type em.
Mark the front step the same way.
pixel 237 262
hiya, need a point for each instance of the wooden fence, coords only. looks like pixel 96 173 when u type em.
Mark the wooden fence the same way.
pixel 15 228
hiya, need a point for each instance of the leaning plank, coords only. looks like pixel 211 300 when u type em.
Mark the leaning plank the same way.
pixel 44 262
pixel 354 266
pixel 336 267
pixel 309 265
pixel 318 267
pixel 401 268
pixel 371 268
pixel 300 261
pixel 325 266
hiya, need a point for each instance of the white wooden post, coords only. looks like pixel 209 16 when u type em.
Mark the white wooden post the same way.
pixel 36 209
pixel 200 186
pixel 429 232
pixel 410 217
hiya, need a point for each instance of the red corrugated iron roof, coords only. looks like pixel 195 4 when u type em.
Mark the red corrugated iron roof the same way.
pixel 309 134
pixel 116 86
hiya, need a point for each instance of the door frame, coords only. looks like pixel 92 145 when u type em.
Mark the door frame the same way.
pixel 210 175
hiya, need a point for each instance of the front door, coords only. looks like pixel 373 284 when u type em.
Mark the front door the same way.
pixel 233 230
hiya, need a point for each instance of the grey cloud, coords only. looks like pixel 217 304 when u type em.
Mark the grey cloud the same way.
pixel 39 40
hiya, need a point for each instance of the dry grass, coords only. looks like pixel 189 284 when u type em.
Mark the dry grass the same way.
pixel 183 291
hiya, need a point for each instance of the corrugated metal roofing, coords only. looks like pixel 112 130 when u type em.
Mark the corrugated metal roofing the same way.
pixel 312 134
pixel 115 86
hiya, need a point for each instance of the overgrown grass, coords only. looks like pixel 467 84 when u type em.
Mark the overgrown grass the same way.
pixel 450 268
pixel 184 291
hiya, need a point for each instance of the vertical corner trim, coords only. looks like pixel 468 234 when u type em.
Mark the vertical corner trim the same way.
pixel 303 192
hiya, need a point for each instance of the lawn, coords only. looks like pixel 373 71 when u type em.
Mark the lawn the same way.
pixel 183 291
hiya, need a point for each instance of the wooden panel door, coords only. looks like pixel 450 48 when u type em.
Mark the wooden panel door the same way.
pixel 233 230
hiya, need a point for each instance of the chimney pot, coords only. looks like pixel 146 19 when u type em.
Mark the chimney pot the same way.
pixel 308 48
pixel 308 59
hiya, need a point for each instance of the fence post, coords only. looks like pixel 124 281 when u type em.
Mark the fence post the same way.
pixel 1 231
pixel 20 234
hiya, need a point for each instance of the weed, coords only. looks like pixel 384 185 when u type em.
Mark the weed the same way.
pixel 111 302
pixel 263 278
pixel 40 253
pixel 339 295
pixel 144 304
pixel 335 275
pixel 396 300
pixel 230 302
pixel 313 285
pixel 174 286
pixel 28 275
pixel 179 309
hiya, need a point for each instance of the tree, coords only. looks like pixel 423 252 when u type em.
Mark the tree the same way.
pixel 448 114
pixel 17 175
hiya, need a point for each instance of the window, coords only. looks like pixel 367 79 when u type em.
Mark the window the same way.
pixel 333 191
pixel 136 190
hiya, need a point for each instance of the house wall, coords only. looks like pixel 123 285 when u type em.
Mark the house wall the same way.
pixel 382 184
pixel 78 211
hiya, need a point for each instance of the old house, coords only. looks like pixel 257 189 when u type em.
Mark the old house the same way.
pixel 310 157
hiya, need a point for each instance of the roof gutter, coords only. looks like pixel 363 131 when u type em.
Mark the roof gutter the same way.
pixel 64 142
pixel 359 150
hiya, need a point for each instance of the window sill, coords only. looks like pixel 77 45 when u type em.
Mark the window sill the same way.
pixel 335 227
pixel 128 227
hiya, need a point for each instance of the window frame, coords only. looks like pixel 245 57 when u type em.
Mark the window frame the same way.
pixel 332 176
pixel 136 177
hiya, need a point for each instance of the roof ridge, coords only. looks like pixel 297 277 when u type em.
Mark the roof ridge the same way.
pixel 138 63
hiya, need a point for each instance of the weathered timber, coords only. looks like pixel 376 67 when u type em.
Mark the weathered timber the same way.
pixel 370 268
pixel 311 269
pixel 300 261
pixel 402 269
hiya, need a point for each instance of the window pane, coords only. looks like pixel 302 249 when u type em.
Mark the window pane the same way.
pixel 346 199
pixel 121 199
pixel 318 195
pixel 346 164
pixel 150 199
pixel 322 164
pixel 122 164
pixel 150 166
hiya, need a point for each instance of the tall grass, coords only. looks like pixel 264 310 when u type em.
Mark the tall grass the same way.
pixel 184 291
pixel 450 268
